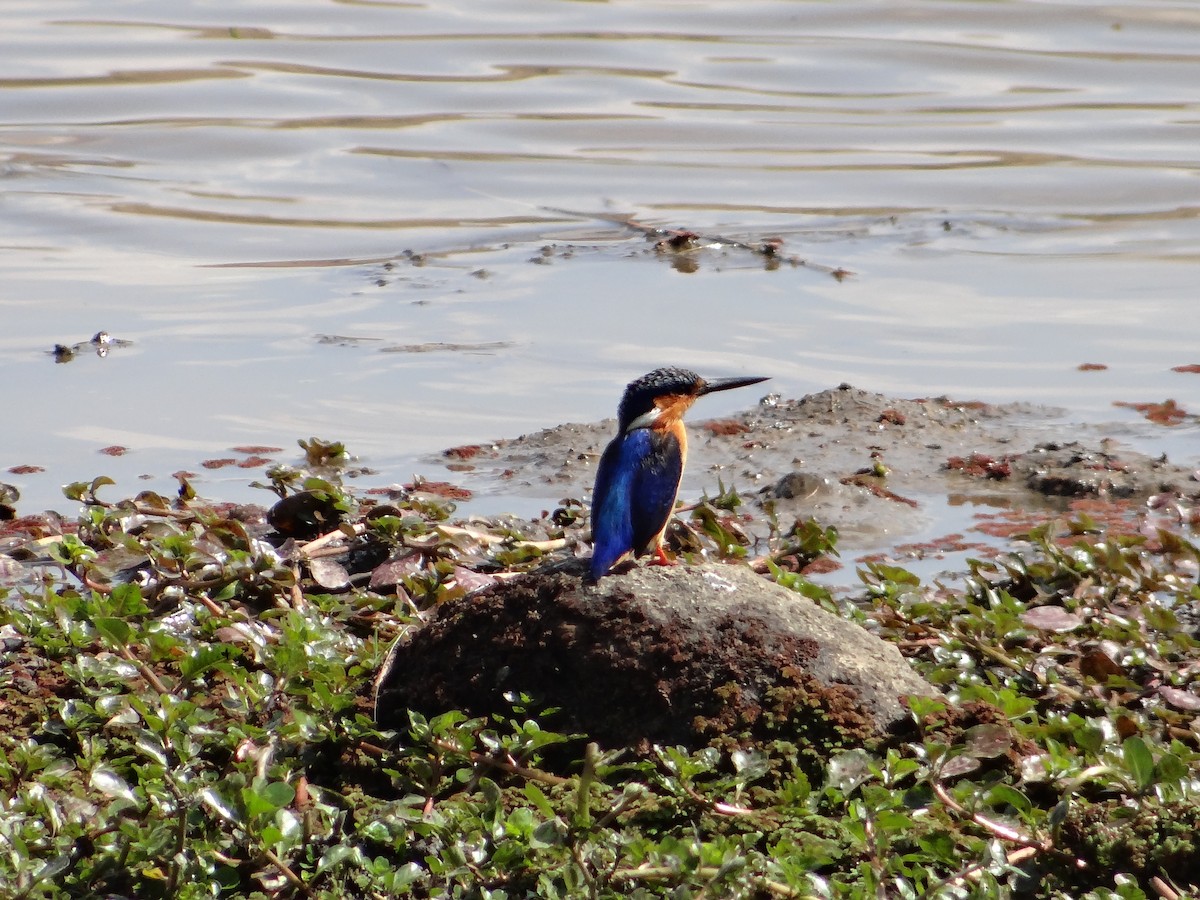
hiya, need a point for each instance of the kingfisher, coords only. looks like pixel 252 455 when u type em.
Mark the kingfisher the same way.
pixel 638 477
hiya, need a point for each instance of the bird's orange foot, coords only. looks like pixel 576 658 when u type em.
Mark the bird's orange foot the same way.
pixel 661 558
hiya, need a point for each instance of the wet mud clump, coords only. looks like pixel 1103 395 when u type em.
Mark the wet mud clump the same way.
pixel 1075 470
pixel 690 655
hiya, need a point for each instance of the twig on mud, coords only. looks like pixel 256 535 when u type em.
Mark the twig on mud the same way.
pixel 146 672
pixel 999 829
pixel 971 872
pixel 489 540
pixel 1164 890
pixel 762 564
pixel 1029 846
pixel 723 809
pixel 328 538
pixel 647 872
pixel 865 482
pixel 296 881
pixel 511 768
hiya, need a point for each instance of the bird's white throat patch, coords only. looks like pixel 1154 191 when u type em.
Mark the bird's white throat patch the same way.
pixel 645 420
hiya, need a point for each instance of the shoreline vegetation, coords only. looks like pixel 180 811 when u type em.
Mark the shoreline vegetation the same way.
pixel 187 709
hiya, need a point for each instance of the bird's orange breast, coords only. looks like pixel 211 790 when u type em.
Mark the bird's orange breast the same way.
pixel 670 420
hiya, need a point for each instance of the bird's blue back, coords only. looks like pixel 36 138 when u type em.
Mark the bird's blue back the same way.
pixel 636 485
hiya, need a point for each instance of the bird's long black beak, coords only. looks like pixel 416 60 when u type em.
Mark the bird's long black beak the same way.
pixel 728 384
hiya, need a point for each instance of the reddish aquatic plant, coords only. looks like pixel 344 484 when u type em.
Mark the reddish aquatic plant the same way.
pixel 725 427
pixel 979 465
pixel 1168 412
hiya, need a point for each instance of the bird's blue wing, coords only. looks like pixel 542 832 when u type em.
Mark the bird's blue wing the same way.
pixel 655 486
pixel 612 523
pixel 636 484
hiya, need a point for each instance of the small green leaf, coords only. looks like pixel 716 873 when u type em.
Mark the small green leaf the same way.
pixel 75 490
pixel 1058 815
pixel 279 794
pixel 201 659
pixel 115 631
pixel 1169 769
pixel 109 783
pixel 1005 795
pixel 538 799
pixel 849 769
pixel 291 832
pixel 219 805
pixel 548 834
pixel 337 854
pixel 1139 760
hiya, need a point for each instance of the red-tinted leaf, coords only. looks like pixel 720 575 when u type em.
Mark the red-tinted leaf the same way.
pixel 1180 699
pixel 329 574
pixel 440 489
pixel 472 581
pixel 1126 726
pixel 988 740
pixel 960 765
pixel 1051 618
pixel 392 572
pixel 1098 665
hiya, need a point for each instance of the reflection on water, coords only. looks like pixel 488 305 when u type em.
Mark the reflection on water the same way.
pixel 1014 185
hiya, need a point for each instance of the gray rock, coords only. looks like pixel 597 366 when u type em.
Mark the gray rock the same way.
pixel 711 596
pixel 691 655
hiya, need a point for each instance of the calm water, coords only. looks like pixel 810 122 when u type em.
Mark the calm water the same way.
pixel 1015 185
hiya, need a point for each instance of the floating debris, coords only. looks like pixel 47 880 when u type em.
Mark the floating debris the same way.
pixel 445 347
pixel 343 340
pixel 100 344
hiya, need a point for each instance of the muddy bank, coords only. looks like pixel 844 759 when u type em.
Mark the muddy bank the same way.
pixel 879 469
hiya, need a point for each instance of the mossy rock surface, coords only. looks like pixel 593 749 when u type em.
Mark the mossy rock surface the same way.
pixel 682 655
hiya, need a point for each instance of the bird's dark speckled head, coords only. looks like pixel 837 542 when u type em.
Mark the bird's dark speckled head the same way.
pixel 640 397
pixel 641 393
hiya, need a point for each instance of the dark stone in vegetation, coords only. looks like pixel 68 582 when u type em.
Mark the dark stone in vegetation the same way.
pixel 8 498
pixel 681 655
pixel 305 515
